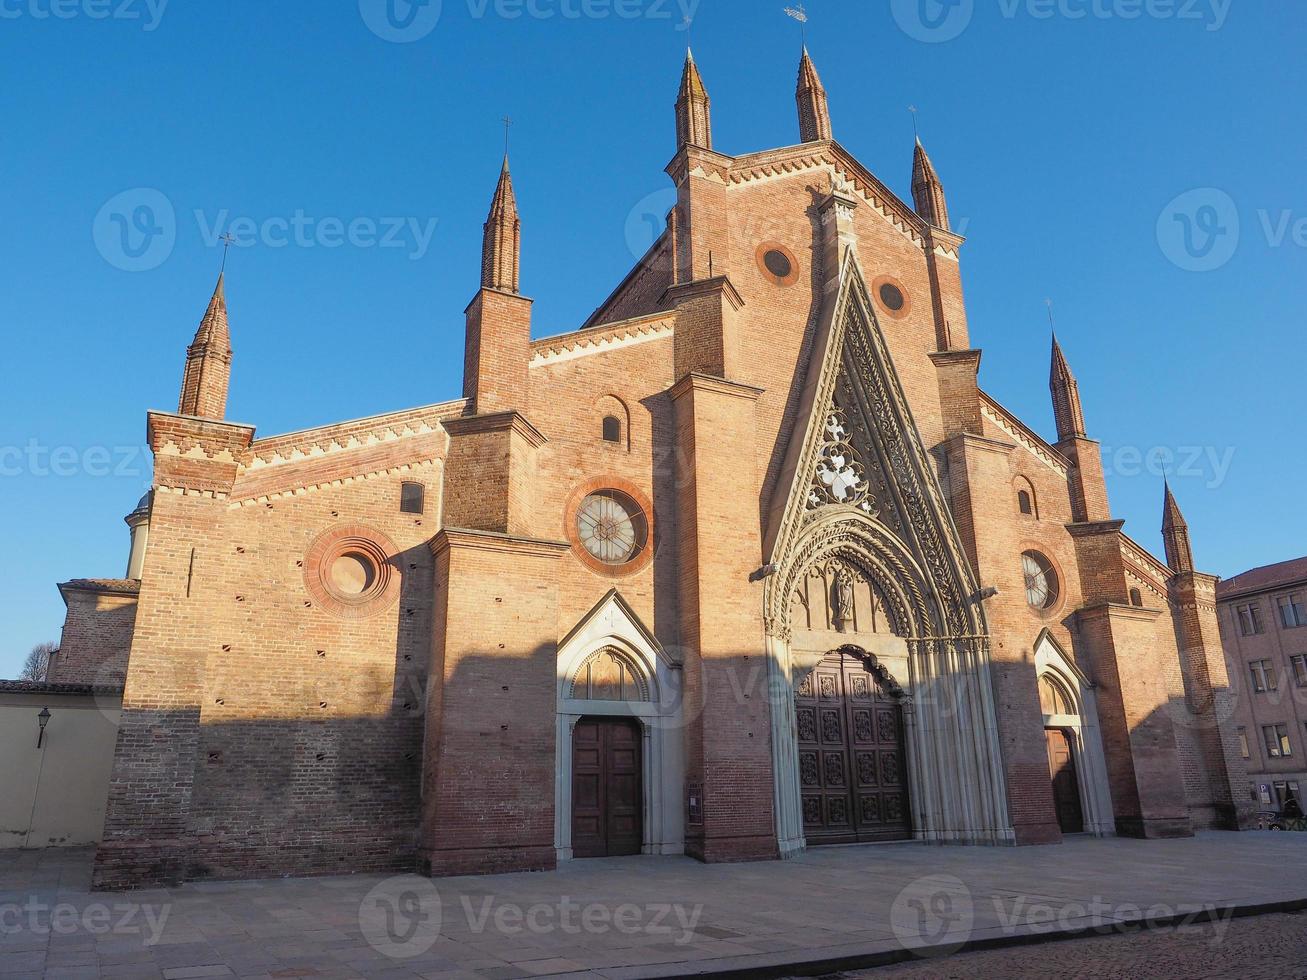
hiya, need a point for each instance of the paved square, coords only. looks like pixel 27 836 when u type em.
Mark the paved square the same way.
pixel 626 917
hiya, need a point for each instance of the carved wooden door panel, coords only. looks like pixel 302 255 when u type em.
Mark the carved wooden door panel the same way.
pixel 852 776
pixel 1066 787
pixel 607 788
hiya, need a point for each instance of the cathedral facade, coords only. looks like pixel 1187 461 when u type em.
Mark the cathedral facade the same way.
pixel 747 563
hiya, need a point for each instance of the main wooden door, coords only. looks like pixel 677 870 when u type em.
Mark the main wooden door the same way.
pixel 852 768
pixel 1066 787
pixel 607 788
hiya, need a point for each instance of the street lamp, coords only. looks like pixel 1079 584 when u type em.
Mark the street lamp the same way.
pixel 42 719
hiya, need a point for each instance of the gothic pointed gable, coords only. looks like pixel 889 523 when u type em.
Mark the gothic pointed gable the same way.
pixel 856 455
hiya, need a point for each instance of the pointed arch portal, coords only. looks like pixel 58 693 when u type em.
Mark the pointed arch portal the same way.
pixel 863 512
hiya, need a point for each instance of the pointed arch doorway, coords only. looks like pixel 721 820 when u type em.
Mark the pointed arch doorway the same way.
pixel 852 753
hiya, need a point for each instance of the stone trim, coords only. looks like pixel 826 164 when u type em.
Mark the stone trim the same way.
pixel 498 422
pixel 704 382
pixel 457 537
pixel 705 287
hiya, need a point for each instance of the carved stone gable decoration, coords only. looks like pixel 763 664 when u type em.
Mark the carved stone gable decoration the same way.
pixel 839 476
pixel 868 477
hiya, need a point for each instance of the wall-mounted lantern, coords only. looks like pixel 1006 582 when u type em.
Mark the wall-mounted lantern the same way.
pixel 42 720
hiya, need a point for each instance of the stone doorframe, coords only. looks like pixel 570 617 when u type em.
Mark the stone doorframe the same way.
pixel 613 625
pixel 956 782
pixel 1083 732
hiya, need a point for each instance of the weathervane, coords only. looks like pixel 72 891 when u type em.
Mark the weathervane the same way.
pixel 913 109
pixel 801 15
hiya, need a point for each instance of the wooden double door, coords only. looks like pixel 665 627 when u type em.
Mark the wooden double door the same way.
pixel 852 768
pixel 1066 785
pixel 607 788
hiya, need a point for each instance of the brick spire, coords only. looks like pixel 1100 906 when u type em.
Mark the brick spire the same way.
pixel 1175 535
pixel 928 190
pixel 501 244
pixel 208 363
pixel 1069 415
pixel 814 113
pixel 693 108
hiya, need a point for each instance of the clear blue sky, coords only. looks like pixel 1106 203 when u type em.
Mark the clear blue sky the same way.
pixel 1062 142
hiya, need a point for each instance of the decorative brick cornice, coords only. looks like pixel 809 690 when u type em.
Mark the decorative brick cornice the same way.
pixel 170 434
pixel 338 437
pixel 596 340
pixel 1025 437
pixel 704 382
pixel 497 422
pixel 1137 556
pixel 455 537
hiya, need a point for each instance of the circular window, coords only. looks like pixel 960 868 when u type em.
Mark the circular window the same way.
pixel 778 264
pixel 892 297
pixel 611 527
pixel 610 523
pixel 1041 580
pixel 349 571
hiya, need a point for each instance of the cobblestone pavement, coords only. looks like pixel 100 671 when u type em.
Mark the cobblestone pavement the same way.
pixel 627 918
pixel 1264 947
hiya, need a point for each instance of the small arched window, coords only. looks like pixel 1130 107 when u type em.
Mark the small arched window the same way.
pixel 1136 597
pixel 612 428
pixel 412 498
pixel 1023 502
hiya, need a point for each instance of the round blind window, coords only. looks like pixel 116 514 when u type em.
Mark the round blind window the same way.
pixel 892 297
pixel 778 263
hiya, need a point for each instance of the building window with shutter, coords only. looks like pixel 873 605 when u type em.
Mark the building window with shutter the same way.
pixel 1277 741
pixel 1250 619
pixel 1293 612
pixel 1263 675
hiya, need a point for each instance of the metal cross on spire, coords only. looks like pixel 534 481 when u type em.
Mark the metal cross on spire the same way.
pixel 228 240
pixel 799 13
pixel 508 122
pixel 915 132
pixel 1051 325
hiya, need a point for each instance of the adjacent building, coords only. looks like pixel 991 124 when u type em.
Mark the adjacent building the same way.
pixel 745 563
pixel 1263 615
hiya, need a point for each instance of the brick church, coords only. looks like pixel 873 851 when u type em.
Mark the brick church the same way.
pixel 744 564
